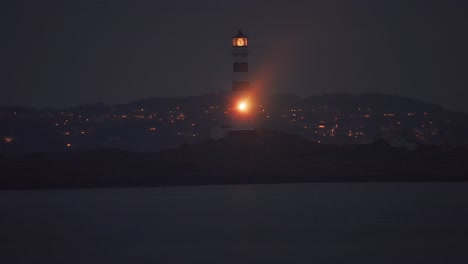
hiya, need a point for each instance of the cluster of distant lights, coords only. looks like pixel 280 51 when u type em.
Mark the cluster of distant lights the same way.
pixel 242 107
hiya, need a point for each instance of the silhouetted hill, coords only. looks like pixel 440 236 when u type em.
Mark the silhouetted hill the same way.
pixel 158 123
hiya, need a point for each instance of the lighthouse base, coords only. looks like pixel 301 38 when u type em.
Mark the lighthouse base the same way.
pixel 220 131
pixel 243 133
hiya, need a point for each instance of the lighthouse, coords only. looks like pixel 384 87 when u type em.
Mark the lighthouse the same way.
pixel 241 96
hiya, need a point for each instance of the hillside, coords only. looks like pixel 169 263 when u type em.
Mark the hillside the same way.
pixel 158 123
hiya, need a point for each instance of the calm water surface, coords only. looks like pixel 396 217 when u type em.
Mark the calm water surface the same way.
pixel 284 223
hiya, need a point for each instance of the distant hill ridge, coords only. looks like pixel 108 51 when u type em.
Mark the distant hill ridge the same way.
pixel 341 100
pixel 158 123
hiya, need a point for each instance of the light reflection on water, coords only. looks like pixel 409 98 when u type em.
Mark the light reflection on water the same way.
pixel 284 223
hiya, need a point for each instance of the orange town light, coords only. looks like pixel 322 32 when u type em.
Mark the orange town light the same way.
pixel 7 139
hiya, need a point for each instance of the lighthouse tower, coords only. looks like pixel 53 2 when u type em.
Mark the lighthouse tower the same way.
pixel 241 104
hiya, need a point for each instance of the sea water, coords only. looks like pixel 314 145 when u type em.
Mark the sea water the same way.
pixel 278 223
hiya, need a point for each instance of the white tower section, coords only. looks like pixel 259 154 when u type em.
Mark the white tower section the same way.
pixel 242 109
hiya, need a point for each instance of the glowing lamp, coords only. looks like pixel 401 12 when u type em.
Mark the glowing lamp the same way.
pixel 240 40
pixel 242 106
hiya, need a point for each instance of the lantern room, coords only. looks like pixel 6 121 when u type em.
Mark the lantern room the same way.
pixel 240 40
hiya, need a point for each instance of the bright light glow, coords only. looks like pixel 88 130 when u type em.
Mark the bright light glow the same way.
pixel 242 106
pixel 68 145
pixel 8 139
pixel 239 42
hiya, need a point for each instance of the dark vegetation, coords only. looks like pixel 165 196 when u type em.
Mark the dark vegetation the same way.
pixel 266 157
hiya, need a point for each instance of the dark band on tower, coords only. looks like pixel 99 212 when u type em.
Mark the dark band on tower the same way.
pixel 241 67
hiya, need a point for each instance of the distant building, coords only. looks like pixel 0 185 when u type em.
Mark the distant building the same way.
pixel 219 132
pixel 438 139
pixel 402 141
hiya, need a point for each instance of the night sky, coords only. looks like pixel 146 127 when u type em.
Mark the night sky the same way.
pixel 64 53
